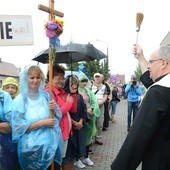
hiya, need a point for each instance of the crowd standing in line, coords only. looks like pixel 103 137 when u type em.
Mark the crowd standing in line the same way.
pixel 148 141
pixel 80 110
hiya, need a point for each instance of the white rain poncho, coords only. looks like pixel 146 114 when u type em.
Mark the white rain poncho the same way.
pixel 37 148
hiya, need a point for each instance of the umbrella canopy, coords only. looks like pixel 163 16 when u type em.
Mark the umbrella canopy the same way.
pixel 72 53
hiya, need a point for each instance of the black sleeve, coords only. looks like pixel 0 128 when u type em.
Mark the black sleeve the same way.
pixel 108 89
pixel 146 80
pixel 143 131
pixel 83 109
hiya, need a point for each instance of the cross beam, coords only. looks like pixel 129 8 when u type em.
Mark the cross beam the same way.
pixel 50 11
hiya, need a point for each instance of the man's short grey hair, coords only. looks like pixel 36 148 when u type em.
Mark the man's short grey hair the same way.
pixel 164 52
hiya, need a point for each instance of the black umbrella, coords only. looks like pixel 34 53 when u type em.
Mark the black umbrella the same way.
pixel 72 53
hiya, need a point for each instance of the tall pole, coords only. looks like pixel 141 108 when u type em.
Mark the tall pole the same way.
pixel 107 59
pixel 52 13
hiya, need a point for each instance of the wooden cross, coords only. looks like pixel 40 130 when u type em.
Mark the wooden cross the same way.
pixel 52 13
pixel 50 10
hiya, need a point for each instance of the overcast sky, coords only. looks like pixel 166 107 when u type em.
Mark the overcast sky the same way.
pixel 111 22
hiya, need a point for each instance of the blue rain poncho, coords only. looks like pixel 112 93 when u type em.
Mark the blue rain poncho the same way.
pixel 5 106
pixel 8 156
pixel 38 148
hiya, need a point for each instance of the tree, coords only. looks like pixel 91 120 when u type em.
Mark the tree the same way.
pixel 91 68
pixel 105 70
pixel 138 73
pixel 73 66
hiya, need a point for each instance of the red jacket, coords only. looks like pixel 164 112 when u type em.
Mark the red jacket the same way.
pixel 59 95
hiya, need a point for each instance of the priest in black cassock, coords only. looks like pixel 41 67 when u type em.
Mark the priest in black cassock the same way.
pixel 148 141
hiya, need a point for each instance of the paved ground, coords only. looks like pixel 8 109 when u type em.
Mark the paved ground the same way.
pixel 114 137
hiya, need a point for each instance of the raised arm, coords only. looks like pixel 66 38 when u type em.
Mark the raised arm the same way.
pixel 138 53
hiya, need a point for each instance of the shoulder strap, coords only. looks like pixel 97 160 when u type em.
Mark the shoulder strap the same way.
pixel 98 88
pixel 96 91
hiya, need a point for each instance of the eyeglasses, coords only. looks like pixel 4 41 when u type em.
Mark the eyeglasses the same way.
pixel 151 61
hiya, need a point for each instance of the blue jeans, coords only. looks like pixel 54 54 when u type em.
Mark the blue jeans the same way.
pixel 132 109
pixel 114 104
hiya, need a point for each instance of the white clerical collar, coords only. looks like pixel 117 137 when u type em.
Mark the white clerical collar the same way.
pixel 165 81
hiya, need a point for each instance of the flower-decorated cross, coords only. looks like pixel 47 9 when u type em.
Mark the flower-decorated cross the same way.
pixel 54 28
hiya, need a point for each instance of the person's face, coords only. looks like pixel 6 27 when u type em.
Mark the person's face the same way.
pixel 11 89
pixel 109 80
pixel 34 80
pixel 155 66
pixel 73 85
pixel 58 81
pixel 97 79
pixel 83 84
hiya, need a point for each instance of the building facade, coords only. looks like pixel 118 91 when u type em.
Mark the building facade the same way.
pixel 8 70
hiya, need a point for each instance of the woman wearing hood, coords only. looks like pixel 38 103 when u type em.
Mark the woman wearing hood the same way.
pixel 11 86
pixel 93 111
pixel 38 136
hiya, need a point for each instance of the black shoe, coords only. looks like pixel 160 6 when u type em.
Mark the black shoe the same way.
pixel 99 142
pixel 128 129
pixel 104 129
pixel 90 151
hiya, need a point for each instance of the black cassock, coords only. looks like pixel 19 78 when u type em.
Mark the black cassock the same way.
pixel 148 140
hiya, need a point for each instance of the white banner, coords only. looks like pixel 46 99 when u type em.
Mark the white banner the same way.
pixel 16 30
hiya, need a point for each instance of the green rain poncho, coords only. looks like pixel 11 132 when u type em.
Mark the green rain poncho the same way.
pixel 90 126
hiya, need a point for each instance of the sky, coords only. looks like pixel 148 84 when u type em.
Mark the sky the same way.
pixel 104 23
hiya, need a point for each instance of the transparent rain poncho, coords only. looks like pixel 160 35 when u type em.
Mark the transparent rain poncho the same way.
pixel 37 148
pixel 8 156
